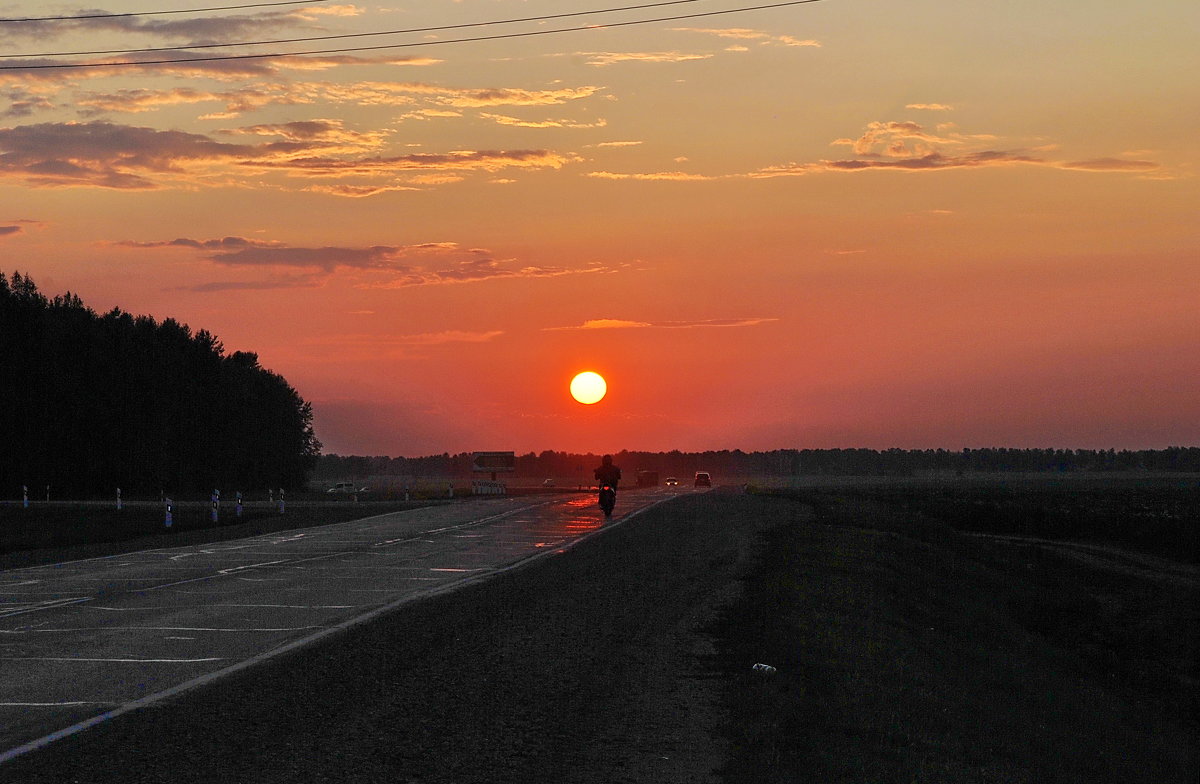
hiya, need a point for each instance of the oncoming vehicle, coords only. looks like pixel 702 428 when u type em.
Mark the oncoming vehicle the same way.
pixel 671 481
pixel 703 479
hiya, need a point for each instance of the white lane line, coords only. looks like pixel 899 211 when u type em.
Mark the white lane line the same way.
pixel 120 661
pixel 167 629
pixel 46 606
pixel 48 704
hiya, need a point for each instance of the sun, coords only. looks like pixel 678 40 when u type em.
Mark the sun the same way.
pixel 588 388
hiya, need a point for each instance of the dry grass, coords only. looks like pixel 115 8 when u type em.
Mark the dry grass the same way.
pixel 913 654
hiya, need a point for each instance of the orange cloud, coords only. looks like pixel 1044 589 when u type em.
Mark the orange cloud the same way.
pixel 609 323
pixel 745 34
pixel 601 59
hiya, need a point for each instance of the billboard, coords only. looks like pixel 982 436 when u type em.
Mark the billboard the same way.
pixel 492 462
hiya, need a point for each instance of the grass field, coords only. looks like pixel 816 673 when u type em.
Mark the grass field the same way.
pixel 907 651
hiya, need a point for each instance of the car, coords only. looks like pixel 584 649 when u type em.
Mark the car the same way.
pixel 548 483
pixel 670 481
pixel 703 479
pixel 346 487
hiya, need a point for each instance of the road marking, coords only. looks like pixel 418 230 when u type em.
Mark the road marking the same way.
pixel 167 629
pixel 120 661
pixel 47 704
pixel 46 606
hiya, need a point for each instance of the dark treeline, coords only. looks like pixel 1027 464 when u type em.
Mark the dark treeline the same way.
pixel 781 462
pixel 95 402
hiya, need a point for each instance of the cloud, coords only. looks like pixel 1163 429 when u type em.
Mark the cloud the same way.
pixel 23 102
pixel 601 59
pixel 744 34
pixel 930 107
pixel 108 155
pixel 673 176
pixel 104 155
pixel 501 119
pixel 184 64
pixel 224 243
pixel 608 323
pixel 1109 165
pixel 387 266
pixel 8 231
pixel 458 160
pixel 907 146
pixel 198 30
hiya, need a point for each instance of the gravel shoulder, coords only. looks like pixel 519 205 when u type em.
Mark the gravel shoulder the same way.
pixel 591 666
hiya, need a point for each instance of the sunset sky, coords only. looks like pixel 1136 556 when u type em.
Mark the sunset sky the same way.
pixel 841 223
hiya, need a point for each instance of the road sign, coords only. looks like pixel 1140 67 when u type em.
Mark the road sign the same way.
pixel 492 462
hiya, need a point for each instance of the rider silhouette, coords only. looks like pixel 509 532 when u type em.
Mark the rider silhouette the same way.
pixel 607 473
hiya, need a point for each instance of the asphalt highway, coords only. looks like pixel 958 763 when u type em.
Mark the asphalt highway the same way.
pixel 86 640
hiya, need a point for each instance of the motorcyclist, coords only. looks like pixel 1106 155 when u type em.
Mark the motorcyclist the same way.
pixel 607 473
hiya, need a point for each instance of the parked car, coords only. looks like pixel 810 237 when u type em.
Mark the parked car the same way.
pixel 703 479
pixel 346 487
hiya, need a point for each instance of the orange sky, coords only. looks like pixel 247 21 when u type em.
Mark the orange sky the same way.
pixel 833 224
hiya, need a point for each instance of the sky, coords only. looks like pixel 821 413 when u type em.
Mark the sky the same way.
pixel 840 223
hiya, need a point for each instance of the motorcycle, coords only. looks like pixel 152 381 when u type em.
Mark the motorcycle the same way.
pixel 608 499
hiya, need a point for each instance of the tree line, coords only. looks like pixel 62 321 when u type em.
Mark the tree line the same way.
pixel 779 462
pixel 94 402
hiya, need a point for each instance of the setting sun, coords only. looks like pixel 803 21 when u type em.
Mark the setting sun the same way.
pixel 588 387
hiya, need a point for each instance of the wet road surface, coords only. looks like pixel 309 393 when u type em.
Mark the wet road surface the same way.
pixel 84 640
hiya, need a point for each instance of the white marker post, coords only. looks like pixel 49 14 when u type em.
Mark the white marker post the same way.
pixel 169 504
pixel 119 499
pixel 216 504
pixel 239 503
pixel 25 496
pixel 281 500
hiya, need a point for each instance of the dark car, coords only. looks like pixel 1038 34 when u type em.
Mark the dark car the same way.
pixel 703 479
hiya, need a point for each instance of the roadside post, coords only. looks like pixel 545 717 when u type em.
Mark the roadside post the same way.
pixel 170 505
pixel 239 503
pixel 281 500
pixel 449 489
pixel 216 504
pixel 47 493
pixel 25 496
pixel 119 506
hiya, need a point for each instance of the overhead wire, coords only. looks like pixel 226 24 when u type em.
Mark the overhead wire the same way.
pixel 188 47
pixel 346 50
pixel 159 12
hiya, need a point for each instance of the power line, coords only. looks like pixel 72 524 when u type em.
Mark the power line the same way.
pixel 474 39
pixel 160 13
pixel 188 47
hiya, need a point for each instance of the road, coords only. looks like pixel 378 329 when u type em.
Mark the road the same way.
pixel 85 640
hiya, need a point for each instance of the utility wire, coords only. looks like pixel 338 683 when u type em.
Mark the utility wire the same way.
pixel 189 47
pixel 160 13
pixel 474 39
